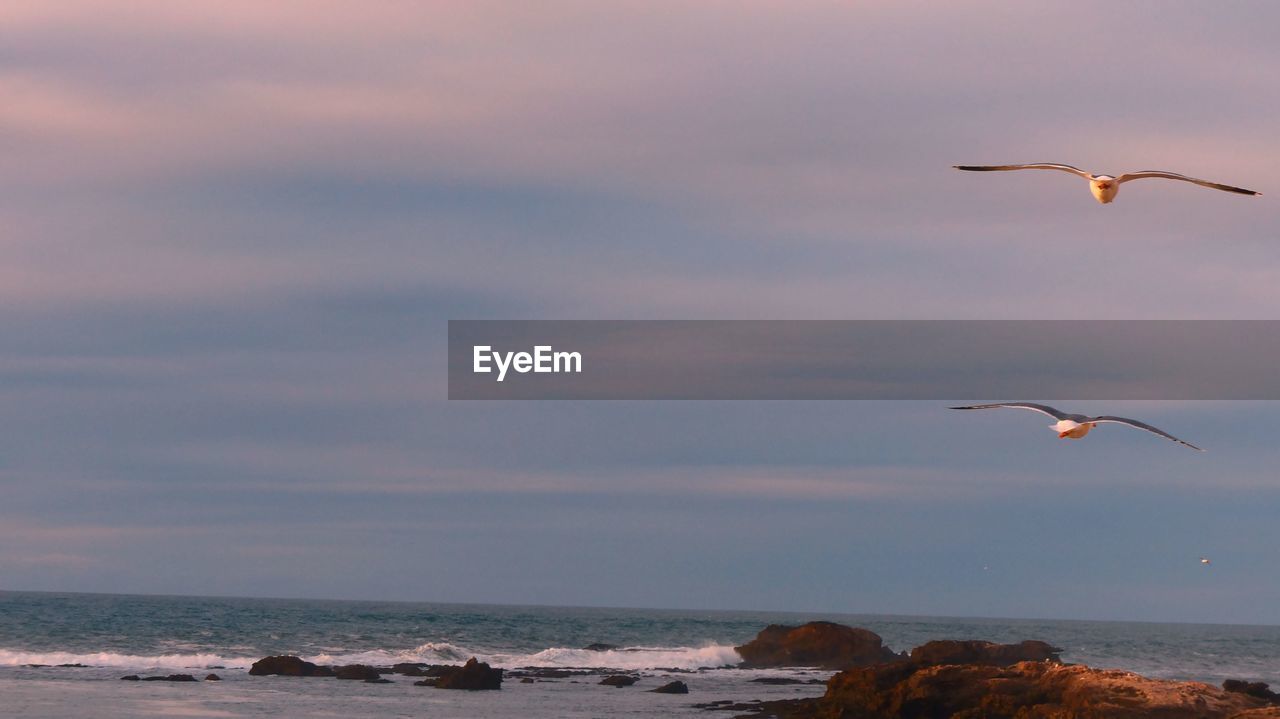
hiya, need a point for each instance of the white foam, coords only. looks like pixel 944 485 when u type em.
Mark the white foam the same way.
pixel 133 661
pixel 633 658
pixel 429 653
pixel 714 655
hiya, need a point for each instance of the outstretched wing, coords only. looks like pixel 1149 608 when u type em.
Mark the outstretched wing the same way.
pixel 1033 166
pixel 1041 408
pixel 1108 419
pixel 1175 176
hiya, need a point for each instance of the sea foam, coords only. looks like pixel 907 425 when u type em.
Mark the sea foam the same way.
pixel 633 658
pixel 133 661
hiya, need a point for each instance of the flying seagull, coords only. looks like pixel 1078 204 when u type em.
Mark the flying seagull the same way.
pixel 1105 187
pixel 1204 560
pixel 1076 426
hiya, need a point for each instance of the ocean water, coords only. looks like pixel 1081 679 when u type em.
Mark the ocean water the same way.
pixel 114 635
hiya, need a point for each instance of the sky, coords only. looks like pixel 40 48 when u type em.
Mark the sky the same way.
pixel 231 236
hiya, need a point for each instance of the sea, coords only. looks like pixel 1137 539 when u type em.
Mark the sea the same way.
pixel 104 637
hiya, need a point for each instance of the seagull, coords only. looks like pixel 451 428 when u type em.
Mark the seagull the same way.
pixel 1076 426
pixel 1204 560
pixel 1105 187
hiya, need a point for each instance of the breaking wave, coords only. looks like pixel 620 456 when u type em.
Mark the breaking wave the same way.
pixel 631 658
pixel 132 661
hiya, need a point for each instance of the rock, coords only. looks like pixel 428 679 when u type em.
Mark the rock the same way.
pixel 379 680
pixel 171 678
pixel 356 672
pixel 428 682
pixel 618 680
pixel 1260 690
pixel 600 647
pixel 131 678
pixel 774 709
pixel 676 687
pixel 213 678
pixel 527 680
pixel 73 666
pixel 978 652
pixel 816 644
pixel 288 666
pixel 554 673
pixel 1029 689
pixel 473 675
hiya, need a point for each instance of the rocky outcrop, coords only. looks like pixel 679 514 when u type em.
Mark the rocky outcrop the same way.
pixel 357 672
pixel 676 687
pixel 977 652
pixel 816 644
pixel 783 681
pixel 1039 690
pixel 474 675
pixel 1260 690
pixel 618 680
pixel 288 666
pixel 212 678
pixel 166 678
pixel 600 647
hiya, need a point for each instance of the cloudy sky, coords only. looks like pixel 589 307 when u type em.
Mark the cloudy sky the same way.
pixel 231 235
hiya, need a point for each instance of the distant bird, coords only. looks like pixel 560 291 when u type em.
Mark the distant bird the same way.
pixel 1076 426
pixel 1204 560
pixel 1105 187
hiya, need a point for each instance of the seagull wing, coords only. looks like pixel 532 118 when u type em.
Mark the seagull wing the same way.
pixel 1041 408
pixel 1175 176
pixel 1105 419
pixel 1033 166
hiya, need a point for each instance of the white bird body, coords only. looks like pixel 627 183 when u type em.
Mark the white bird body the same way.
pixel 1105 187
pixel 1076 426
pixel 1070 429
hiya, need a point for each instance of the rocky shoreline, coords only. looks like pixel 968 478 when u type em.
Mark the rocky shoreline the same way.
pixel 944 678
pixel 983 680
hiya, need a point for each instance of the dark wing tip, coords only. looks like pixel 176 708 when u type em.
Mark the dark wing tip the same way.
pixel 974 168
pixel 962 408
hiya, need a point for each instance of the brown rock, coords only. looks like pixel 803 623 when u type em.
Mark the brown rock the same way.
pixel 676 687
pixel 213 678
pixel 977 652
pixel 288 666
pixel 1039 690
pixel 618 681
pixel 473 675
pixel 1260 690
pixel 170 678
pixel 357 672
pixel 816 644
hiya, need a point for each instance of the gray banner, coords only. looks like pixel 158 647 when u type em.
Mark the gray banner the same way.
pixel 864 359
